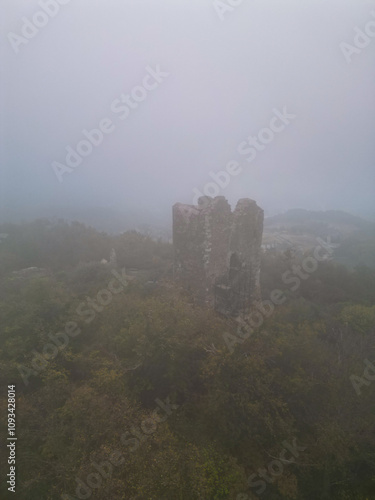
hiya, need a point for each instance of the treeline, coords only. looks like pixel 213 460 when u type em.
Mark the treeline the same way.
pixel 63 246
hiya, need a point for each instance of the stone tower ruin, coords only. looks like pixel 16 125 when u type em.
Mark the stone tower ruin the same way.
pixel 217 252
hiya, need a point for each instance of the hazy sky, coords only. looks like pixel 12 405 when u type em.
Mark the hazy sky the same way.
pixel 225 79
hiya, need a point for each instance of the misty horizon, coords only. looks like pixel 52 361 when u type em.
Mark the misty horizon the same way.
pixel 179 88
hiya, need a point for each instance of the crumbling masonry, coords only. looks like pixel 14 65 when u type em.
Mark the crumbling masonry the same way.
pixel 217 252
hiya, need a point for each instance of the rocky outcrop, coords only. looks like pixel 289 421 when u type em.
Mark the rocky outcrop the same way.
pixel 217 252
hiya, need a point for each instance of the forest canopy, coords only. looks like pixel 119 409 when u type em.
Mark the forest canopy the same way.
pixel 142 398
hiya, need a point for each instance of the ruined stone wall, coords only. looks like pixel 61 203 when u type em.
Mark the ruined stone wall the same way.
pixel 217 252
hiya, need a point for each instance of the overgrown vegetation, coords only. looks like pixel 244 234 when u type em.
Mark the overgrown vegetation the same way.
pixel 290 380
